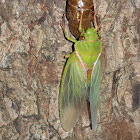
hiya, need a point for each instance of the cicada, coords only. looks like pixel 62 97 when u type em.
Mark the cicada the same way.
pixel 81 78
pixel 74 10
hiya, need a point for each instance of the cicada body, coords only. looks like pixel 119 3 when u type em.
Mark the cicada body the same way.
pixel 81 79
pixel 74 10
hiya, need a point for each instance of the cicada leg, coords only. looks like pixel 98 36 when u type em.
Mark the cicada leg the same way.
pixel 67 56
pixel 95 22
pixel 69 38
pixel 81 30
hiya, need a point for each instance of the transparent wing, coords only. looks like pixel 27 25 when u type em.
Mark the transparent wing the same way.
pixel 73 92
pixel 95 91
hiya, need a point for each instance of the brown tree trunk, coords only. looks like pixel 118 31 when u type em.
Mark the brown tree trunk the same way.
pixel 32 50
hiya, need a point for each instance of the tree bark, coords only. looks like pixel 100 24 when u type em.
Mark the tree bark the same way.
pixel 32 50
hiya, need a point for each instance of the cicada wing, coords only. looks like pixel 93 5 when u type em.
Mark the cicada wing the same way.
pixel 95 91
pixel 73 93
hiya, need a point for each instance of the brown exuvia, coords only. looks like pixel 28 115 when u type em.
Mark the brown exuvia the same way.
pixel 74 10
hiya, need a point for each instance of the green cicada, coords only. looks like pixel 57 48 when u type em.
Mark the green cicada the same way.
pixel 81 78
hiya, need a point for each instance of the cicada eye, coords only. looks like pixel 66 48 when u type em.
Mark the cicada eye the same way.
pixel 99 37
pixel 82 37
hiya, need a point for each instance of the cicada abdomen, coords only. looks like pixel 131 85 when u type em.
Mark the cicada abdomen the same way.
pixel 74 10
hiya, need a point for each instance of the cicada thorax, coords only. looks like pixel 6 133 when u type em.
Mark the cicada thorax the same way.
pixel 74 10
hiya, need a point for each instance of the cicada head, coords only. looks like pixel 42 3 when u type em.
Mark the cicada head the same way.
pixel 91 35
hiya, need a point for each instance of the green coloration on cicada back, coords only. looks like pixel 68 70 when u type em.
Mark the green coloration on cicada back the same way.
pixel 81 74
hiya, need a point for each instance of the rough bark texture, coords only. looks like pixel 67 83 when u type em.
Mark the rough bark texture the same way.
pixel 32 50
